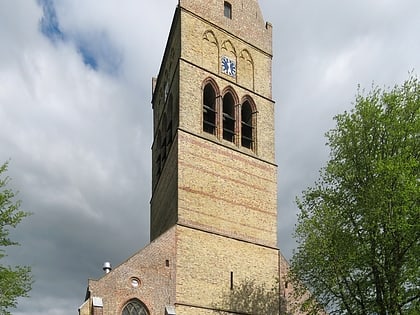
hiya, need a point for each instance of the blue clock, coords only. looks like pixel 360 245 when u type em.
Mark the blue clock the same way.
pixel 228 66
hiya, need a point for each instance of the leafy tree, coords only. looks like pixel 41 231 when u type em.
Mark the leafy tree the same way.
pixel 359 226
pixel 249 297
pixel 14 281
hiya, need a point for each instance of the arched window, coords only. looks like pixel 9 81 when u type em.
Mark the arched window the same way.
pixel 228 117
pixel 209 109
pixel 247 125
pixel 228 10
pixel 135 307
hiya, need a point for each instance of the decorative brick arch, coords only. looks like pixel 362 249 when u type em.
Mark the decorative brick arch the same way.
pixel 246 69
pixel 230 89
pixel 213 83
pixel 251 102
pixel 228 51
pixel 229 48
pixel 210 51
pixel 211 106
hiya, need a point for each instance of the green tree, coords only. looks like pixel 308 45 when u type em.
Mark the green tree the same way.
pixel 358 230
pixel 249 297
pixel 14 281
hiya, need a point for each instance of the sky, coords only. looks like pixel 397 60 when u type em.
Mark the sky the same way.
pixel 76 118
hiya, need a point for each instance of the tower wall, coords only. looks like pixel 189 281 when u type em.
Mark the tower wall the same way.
pixel 226 192
pixel 192 55
pixel 247 21
pixel 196 34
pixel 191 116
pixel 165 102
pixel 164 203
pixel 208 265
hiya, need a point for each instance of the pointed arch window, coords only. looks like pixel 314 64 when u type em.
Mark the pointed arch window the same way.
pixel 135 307
pixel 209 109
pixel 247 125
pixel 228 117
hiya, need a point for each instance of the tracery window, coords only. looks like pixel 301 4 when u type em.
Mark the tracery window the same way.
pixel 135 307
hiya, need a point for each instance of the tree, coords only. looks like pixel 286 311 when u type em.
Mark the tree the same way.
pixel 250 297
pixel 14 281
pixel 358 230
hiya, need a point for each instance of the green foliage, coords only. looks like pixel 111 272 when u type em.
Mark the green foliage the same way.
pixel 250 297
pixel 359 226
pixel 14 281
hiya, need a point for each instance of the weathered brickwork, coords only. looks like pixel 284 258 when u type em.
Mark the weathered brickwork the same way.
pixel 192 55
pixel 247 20
pixel 194 50
pixel 154 267
pixel 164 203
pixel 225 191
pixel 165 100
pixel 191 116
pixel 205 262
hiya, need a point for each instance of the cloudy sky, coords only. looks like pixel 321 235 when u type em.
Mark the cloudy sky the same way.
pixel 76 119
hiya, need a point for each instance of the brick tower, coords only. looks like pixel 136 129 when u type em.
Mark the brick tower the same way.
pixel 214 176
pixel 214 189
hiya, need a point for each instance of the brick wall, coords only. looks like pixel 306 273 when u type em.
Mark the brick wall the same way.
pixel 247 20
pixel 153 266
pixel 226 192
pixel 205 262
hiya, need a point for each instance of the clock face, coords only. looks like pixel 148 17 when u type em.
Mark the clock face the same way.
pixel 228 66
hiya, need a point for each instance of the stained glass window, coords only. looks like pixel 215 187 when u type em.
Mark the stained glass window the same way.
pixel 135 307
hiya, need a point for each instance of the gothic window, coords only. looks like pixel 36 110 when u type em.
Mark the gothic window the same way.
pixel 228 10
pixel 209 109
pixel 135 307
pixel 228 117
pixel 247 125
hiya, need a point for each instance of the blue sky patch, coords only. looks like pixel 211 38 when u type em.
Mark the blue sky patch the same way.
pixel 98 51
pixel 95 47
pixel 49 24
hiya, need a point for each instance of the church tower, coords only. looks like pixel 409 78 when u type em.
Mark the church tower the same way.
pixel 213 219
pixel 214 173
